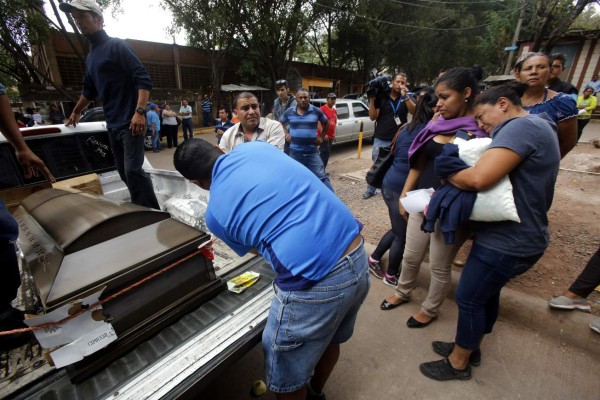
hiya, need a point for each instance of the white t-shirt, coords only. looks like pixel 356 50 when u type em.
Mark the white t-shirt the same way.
pixel 186 109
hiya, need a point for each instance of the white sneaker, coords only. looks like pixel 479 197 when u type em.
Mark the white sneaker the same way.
pixel 595 325
pixel 565 303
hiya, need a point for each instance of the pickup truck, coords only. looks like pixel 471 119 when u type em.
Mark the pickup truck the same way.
pixel 351 113
pixel 176 351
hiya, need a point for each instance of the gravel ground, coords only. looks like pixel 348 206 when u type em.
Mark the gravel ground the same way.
pixel 574 216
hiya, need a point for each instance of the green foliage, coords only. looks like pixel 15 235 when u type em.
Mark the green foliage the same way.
pixel 23 27
pixel 588 20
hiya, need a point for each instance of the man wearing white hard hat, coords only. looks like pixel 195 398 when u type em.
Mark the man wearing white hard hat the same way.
pixel 114 74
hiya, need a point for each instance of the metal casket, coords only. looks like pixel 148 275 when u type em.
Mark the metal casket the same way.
pixel 74 243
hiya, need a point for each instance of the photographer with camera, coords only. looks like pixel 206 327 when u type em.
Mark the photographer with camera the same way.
pixel 388 109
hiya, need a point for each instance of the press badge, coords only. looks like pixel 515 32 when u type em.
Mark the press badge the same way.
pixel 397 119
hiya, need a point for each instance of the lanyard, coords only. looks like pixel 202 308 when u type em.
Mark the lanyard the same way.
pixel 395 109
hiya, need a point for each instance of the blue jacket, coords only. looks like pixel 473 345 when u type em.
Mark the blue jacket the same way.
pixel 114 74
pixel 451 205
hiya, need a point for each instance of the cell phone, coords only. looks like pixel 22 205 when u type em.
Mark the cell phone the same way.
pixel 462 134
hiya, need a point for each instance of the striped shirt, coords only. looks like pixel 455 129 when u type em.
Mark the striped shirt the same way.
pixel 303 128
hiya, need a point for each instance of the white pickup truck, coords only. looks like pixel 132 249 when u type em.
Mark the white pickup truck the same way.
pixel 181 342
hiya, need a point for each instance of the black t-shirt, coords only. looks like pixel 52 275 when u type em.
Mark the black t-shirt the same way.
pixel 385 125
pixel 563 87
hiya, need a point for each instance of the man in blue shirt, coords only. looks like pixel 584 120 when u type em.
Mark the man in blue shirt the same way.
pixel 303 122
pixel 154 127
pixel 206 104
pixel 322 276
pixel 223 123
pixel 114 74
pixel 283 101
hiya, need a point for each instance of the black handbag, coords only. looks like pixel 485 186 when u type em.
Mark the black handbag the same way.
pixel 381 165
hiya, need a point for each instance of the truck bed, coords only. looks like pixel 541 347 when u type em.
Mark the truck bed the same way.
pixel 175 363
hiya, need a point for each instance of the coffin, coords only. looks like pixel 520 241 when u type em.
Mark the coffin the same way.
pixel 74 243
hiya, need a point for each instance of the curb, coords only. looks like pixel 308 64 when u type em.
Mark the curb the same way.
pixel 570 328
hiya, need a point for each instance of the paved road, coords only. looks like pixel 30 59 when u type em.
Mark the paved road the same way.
pixel 532 354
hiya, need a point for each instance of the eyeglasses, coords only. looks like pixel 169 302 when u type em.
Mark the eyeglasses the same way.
pixel 281 82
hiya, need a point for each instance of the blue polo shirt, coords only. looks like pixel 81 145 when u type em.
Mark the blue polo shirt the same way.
pixel 152 117
pixel 292 219
pixel 303 128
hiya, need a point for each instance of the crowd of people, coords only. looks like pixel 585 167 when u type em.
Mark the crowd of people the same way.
pixel 284 206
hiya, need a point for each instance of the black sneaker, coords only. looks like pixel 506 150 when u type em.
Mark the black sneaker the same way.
pixel 442 370
pixel 375 269
pixel 445 349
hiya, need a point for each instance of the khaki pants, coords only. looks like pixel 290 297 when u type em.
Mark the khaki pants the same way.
pixel 440 262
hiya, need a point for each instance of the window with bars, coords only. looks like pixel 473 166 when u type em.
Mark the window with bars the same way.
pixel 163 76
pixel 194 77
pixel 71 70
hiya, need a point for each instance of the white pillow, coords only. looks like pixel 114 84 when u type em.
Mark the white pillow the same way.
pixel 496 203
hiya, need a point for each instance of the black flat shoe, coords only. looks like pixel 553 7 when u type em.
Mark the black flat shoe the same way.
pixel 386 305
pixel 413 323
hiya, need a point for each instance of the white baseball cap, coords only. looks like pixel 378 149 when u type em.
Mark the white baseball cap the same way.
pixel 84 5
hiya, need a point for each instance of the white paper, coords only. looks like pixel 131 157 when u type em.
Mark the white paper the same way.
pixel 70 330
pixel 95 340
pixel 416 200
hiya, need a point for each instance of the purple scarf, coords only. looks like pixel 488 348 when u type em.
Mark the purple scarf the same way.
pixel 444 127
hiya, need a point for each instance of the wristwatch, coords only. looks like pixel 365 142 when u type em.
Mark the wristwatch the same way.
pixel 140 110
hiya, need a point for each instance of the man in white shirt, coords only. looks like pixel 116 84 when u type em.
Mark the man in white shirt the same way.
pixel 251 126
pixel 186 120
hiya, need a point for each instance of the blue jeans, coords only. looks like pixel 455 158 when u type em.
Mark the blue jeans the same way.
pixel 128 151
pixel 394 240
pixel 313 162
pixel 377 143
pixel 188 128
pixel 478 292
pixel 303 323
pixel 155 141
pixel 206 118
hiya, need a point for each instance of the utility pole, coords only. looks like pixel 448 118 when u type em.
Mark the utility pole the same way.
pixel 511 53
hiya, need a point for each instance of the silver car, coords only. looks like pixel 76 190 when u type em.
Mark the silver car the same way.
pixel 350 115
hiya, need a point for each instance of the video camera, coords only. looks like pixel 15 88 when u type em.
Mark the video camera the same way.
pixel 379 86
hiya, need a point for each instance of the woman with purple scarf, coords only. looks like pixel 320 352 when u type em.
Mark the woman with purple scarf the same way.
pixel 456 91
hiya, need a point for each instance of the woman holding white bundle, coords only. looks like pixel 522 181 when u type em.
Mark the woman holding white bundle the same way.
pixel 456 91
pixel 524 147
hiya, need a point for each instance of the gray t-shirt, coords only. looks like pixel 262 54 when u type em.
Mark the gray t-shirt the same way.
pixel 534 138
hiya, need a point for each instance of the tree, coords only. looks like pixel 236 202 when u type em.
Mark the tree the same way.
pixel 273 29
pixel 22 29
pixel 553 18
pixel 211 26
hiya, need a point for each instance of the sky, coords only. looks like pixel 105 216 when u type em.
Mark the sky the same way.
pixel 139 20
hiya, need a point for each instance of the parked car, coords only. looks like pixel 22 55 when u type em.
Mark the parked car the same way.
pixel 350 115
pixel 97 114
pixel 93 114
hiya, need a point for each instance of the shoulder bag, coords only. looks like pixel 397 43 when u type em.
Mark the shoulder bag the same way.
pixel 381 165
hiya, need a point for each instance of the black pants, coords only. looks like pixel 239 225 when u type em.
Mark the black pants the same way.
pixel 170 132
pixel 581 123
pixel 589 278
pixel 395 238
pixel 10 280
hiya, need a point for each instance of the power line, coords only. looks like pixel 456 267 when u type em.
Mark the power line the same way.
pixel 408 25
pixel 444 2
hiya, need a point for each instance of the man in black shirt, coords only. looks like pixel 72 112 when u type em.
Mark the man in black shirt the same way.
pixel 389 113
pixel 554 82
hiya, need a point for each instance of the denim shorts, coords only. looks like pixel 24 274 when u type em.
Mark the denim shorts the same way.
pixel 302 323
